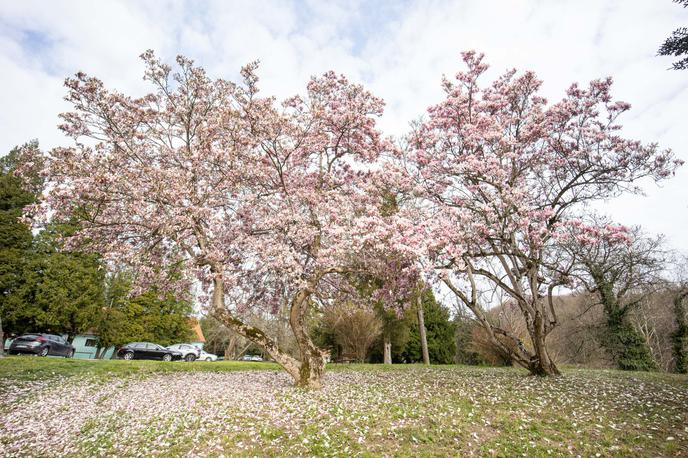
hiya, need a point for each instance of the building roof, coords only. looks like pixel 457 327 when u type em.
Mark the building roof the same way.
pixel 196 329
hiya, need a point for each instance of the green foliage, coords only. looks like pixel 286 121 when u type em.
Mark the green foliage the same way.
pixel 440 333
pixel 323 336
pixel 680 335
pixel 398 329
pixel 627 346
pixel 60 291
pixel 15 236
pixel 677 44
pixel 465 352
pixel 164 318
pixel 44 287
pixel 148 317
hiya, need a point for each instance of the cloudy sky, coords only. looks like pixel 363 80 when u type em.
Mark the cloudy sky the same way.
pixel 399 50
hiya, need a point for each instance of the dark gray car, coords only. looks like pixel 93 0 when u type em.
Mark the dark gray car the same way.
pixel 41 345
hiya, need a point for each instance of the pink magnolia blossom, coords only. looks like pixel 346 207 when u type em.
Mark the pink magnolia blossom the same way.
pixel 205 180
pixel 502 174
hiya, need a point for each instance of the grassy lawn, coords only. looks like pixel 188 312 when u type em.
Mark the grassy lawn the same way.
pixel 56 407
pixel 31 368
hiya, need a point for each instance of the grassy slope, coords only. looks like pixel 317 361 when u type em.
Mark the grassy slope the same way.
pixel 403 410
pixel 33 368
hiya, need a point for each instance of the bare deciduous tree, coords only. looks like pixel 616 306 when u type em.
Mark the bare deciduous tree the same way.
pixel 355 328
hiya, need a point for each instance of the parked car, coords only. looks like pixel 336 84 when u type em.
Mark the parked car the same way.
pixel 189 352
pixel 41 345
pixel 148 350
pixel 207 356
pixel 250 358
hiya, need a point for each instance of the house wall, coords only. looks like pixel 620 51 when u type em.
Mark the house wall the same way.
pixel 86 346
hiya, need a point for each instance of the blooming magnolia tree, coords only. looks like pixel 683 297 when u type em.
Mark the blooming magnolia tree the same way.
pixel 499 177
pixel 204 181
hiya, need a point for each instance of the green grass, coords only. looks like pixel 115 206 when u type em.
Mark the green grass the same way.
pixel 129 408
pixel 34 368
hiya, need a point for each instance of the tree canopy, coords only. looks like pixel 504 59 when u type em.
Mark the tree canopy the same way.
pixel 278 206
pixel 677 44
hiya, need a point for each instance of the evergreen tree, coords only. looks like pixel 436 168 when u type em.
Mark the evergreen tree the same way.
pixel 15 237
pixel 677 44
pixel 47 288
pixel 396 331
pixel 147 317
pixel 680 336
pixel 440 333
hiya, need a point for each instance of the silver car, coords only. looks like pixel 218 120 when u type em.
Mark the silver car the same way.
pixel 189 352
pixel 207 356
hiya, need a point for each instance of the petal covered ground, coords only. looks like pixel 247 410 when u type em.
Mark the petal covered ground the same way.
pixel 362 410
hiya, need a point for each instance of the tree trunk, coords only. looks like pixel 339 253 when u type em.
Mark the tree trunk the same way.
pixel 312 357
pixel 230 352
pixel 540 364
pixel 387 349
pixel 99 352
pixel 306 373
pixel 421 328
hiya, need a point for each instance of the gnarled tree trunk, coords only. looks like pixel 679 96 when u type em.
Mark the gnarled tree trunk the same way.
pixel 540 363
pixel 312 357
pixel 307 373
pixel 537 361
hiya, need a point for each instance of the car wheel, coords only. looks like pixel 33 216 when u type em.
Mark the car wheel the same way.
pixel 44 351
pixel 190 357
pixel 167 357
pixel 128 356
pixel 209 359
pixel 70 355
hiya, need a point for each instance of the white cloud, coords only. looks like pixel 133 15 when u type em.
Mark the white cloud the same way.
pixel 399 50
